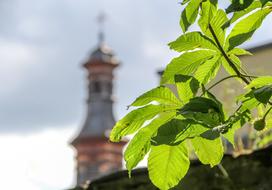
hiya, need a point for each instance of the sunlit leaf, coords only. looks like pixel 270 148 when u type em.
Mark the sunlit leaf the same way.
pixel 244 29
pixel 189 14
pixel 208 70
pixel 160 94
pixel 192 10
pixel 238 5
pixel 200 104
pixel 139 146
pixel 239 51
pixel 203 110
pixel 186 64
pixel 263 94
pixel 185 1
pixel 215 25
pixel 238 14
pixel 234 123
pixel 176 131
pixel 260 81
pixel 231 133
pixel 208 151
pixel 192 40
pixel 167 165
pixel 187 87
pixel 209 9
pixel 229 69
pixel 264 2
pixel 248 101
pixel 135 119
pixel 219 104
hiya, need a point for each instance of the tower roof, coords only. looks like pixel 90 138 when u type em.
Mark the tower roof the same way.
pixel 103 54
pixel 100 65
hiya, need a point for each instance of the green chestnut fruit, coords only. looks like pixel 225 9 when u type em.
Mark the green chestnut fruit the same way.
pixel 259 124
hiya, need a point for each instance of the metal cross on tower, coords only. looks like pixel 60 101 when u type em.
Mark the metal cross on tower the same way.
pixel 101 18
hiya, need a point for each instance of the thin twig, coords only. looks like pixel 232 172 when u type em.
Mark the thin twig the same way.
pixel 223 79
pixel 267 112
pixel 223 170
pixel 232 65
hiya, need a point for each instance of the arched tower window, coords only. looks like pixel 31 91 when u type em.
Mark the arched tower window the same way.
pixel 109 87
pixel 97 87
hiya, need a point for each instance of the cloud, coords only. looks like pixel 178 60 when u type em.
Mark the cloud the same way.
pixel 16 59
pixel 34 92
pixel 42 161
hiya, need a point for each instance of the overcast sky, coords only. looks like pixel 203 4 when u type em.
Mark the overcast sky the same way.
pixel 43 88
pixel 44 43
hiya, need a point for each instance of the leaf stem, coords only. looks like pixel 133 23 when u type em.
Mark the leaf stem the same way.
pixel 232 65
pixel 223 170
pixel 223 79
pixel 267 112
pixel 250 76
pixel 226 175
pixel 228 77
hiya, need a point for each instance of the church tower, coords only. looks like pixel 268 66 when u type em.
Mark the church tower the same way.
pixel 96 156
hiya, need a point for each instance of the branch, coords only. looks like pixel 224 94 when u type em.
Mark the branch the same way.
pixel 267 112
pixel 228 77
pixel 223 170
pixel 223 79
pixel 240 75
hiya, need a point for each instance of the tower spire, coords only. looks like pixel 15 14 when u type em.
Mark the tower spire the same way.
pixel 96 156
pixel 101 18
